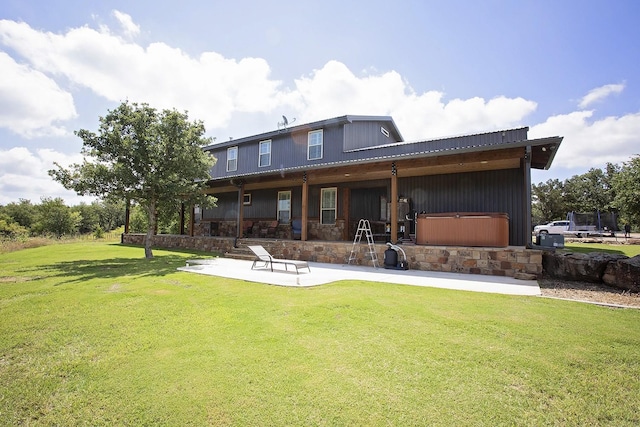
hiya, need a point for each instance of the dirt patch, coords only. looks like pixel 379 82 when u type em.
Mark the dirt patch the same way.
pixel 592 292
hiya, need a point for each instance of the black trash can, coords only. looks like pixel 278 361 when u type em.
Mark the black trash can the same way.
pixel 390 258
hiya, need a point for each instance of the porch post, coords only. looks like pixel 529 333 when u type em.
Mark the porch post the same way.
pixel 181 218
pixel 127 215
pixel 394 203
pixel 346 197
pixel 240 210
pixel 527 197
pixel 305 206
pixel 192 222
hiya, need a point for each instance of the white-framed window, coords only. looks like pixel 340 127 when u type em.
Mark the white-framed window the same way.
pixel 232 159
pixel 284 206
pixel 328 205
pixel 264 157
pixel 314 145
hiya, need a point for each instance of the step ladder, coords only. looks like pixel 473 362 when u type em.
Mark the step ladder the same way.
pixel 364 227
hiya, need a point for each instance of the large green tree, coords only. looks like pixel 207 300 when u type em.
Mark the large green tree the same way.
pixel 590 192
pixel 56 218
pixel 548 201
pixel 89 217
pixel 152 158
pixel 24 213
pixel 627 191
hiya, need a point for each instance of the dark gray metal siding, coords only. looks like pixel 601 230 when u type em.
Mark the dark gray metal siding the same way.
pixel 226 209
pixel 493 191
pixel 289 150
pixel 365 203
pixel 264 205
pixel 365 134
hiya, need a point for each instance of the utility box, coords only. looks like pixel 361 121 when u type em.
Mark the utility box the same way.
pixel 550 240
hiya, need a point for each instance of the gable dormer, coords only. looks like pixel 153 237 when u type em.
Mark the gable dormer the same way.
pixel 369 131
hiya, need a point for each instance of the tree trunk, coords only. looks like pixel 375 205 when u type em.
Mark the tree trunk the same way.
pixel 151 231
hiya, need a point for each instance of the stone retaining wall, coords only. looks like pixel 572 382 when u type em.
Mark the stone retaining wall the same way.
pixel 516 262
pixel 615 270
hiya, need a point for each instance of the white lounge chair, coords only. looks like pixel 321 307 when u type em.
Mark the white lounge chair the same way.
pixel 262 256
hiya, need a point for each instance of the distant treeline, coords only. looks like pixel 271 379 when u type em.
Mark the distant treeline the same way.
pixel 614 189
pixel 52 217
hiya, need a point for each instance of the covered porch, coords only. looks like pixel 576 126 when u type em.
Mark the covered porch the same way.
pixel 384 191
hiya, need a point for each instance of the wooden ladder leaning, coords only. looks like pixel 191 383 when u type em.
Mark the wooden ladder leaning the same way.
pixel 364 227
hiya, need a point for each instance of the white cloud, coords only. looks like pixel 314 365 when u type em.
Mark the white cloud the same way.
pixel 213 88
pixel 210 87
pixel 130 28
pixel 30 102
pixel 23 175
pixel 334 90
pixel 600 93
pixel 591 143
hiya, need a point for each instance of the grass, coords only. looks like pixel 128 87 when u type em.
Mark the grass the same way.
pixel 12 245
pixel 628 250
pixel 93 334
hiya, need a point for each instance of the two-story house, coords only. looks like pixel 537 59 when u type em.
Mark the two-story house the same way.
pixel 323 177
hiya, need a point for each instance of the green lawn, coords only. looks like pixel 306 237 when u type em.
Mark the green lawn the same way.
pixel 628 250
pixel 93 334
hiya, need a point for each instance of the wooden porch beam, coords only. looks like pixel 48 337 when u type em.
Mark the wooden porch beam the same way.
pixel 305 207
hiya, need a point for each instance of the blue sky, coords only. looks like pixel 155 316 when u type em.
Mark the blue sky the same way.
pixel 567 68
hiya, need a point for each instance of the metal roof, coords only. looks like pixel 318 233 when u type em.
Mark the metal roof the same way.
pixel 543 151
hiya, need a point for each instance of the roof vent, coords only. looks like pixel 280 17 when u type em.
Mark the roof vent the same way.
pixel 384 131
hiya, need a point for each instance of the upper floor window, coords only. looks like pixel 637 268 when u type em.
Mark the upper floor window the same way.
pixel 328 205
pixel 232 159
pixel 264 158
pixel 314 146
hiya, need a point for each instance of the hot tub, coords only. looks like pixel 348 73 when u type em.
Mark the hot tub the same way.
pixel 463 229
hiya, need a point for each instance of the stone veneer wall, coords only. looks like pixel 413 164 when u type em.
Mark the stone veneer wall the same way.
pixel 516 262
pixel 315 230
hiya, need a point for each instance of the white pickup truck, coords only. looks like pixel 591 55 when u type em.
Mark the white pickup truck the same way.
pixel 565 227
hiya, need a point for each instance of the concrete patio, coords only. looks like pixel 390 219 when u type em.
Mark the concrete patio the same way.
pixel 322 273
